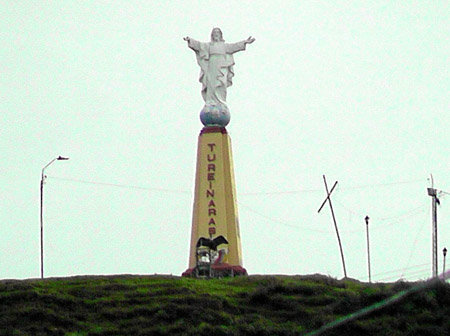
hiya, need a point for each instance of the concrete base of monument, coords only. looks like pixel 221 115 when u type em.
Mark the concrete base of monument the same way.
pixel 216 271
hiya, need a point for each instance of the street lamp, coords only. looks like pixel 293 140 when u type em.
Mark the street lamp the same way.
pixel 43 177
pixel 368 246
pixel 444 251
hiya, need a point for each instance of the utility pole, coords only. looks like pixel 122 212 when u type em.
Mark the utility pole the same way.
pixel 334 219
pixel 368 246
pixel 434 201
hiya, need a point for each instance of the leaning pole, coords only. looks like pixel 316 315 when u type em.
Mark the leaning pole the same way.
pixel 215 247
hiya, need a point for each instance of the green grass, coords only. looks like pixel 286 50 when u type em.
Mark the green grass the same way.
pixel 254 305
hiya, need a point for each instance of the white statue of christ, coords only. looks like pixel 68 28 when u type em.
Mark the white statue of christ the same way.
pixel 216 62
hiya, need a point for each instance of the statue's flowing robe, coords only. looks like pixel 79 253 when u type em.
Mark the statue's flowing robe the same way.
pixel 216 63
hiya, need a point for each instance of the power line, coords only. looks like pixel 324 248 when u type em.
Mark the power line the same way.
pixel 319 190
pixel 287 192
pixel 414 246
pixel 124 186
pixel 360 214
pixel 156 189
pixel 423 271
pixel 395 270
pixel 274 220
pixel 382 184
pixel 271 219
pixel 411 213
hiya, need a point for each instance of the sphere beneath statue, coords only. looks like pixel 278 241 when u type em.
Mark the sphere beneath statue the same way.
pixel 215 115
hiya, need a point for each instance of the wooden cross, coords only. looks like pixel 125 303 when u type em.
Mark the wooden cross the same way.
pixel 328 199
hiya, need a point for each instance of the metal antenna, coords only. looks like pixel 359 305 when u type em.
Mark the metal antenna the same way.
pixel 334 219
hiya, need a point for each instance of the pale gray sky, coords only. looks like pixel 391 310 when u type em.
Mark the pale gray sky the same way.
pixel 356 90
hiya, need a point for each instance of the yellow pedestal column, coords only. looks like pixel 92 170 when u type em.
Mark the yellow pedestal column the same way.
pixel 215 209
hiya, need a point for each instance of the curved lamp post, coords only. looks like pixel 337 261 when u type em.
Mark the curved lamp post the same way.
pixel 43 177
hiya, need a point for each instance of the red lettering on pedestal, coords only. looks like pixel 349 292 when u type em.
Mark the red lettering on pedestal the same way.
pixel 210 193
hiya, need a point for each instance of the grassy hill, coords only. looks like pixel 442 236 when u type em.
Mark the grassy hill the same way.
pixel 254 305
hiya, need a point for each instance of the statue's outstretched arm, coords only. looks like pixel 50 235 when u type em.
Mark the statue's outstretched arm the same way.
pixel 231 48
pixel 193 44
pixel 249 40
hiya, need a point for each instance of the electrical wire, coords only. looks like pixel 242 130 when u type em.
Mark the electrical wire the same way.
pixel 382 184
pixel 406 214
pixel 394 271
pixel 414 246
pixel 289 192
pixel 120 185
pixel 271 219
pixel 123 186
pixel 408 274
pixel 359 214
pixel 280 192
pixel 391 223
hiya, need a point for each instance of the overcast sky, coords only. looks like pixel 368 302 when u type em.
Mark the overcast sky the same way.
pixel 356 90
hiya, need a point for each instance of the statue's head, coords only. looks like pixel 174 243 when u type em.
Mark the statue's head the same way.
pixel 216 35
